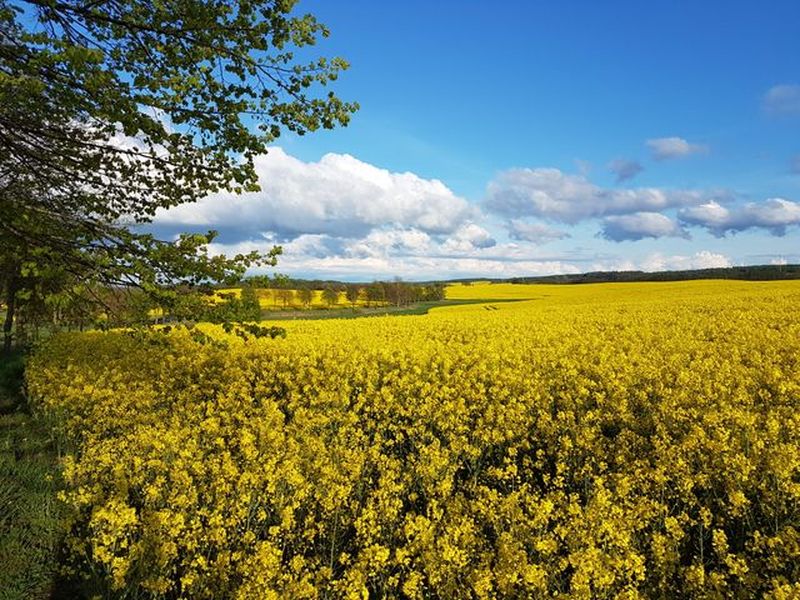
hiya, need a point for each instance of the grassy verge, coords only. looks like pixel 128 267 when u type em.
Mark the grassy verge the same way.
pixel 30 531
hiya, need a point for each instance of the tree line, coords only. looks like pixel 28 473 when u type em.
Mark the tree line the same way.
pixel 46 309
pixel 744 273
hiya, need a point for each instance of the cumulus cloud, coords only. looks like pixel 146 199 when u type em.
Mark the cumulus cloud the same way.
pixel 782 99
pixel 339 195
pixel 625 169
pixel 673 147
pixel 640 225
pixel 536 233
pixel 386 243
pixel 659 261
pixel 699 260
pixel 773 214
pixel 313 245
pixel 552 194
pixel 467 238
pixel 409 254
pixel 400 255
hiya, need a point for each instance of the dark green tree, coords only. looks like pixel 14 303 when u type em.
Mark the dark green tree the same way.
pixel 330 296
pixel 375 293
pixel 353 293
pixel 250 306
pixel 306 295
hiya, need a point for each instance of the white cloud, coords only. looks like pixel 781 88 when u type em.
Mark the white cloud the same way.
pixel 658 261
pixel 312 245
pixel 382 243
pixel 382 255
pixel 552 194
pixel 412 256
pixel 774 214
pixel 699 260
pixel 625 169
pixel 782 99
pixel 640 225
pixel 339 195
pixel 536 233
pixel 343 218
pixel 673 147
pixel 710 214
pixel 468 238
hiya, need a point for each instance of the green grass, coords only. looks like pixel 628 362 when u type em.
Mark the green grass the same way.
pixel 419 308
pixel 30 515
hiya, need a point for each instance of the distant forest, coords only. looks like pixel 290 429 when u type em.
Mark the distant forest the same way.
pixel 750 273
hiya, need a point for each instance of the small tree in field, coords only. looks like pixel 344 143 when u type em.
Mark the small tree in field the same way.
pixel 285 296
pixel 352 293
pixel 330 296
pixel 305 295
pixel 375 293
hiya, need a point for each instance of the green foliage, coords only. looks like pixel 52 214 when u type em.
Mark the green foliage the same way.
pixel 12 369
pixel 375 293
pixel 31 531
pixel 248 331
pixel 306 295
pixel 330 296
pixel 250 306
pixel 745 273
pixel 110 111
pixel 185 79
pixel 352 292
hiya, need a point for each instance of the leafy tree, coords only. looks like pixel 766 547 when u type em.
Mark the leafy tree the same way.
pixel 112 110
pixel 330 296
pixel 395 291
pixel 250 305
pixel 352 293
pixel 231 309
pixel 434 291
pixel 286 296
pixel 281 281
pixel 305 294
pixel 375 293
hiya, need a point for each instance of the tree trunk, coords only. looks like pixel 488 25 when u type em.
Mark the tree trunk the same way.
pixel 11 305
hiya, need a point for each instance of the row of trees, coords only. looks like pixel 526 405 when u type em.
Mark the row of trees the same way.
pixel 44 308
pixel 396 293
pixel 400 293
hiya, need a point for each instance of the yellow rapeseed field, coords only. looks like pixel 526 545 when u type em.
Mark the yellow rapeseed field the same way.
pixel 593 441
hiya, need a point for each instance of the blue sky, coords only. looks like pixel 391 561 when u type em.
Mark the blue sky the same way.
pixel 513 138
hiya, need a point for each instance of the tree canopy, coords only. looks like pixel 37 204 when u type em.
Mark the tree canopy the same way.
pixel 113 109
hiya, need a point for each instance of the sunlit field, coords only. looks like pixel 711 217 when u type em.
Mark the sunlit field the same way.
pixel 595 441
